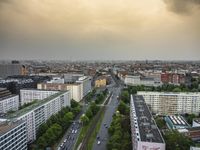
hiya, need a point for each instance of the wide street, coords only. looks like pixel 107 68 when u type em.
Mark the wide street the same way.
pixel 110 110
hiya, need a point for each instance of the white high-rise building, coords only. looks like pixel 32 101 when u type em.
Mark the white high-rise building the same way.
pixel 86 85
pixel 38 113
pixel 9 103
pixel 167 103
pixel 29 95
pixel 13 135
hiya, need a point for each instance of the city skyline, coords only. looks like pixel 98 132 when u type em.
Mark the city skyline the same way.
pixel 100 29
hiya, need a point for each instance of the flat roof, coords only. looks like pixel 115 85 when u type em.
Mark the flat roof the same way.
pixel 33 106
pixel 177 120
pixel 32 89
pixel 148 129
pixel 7 126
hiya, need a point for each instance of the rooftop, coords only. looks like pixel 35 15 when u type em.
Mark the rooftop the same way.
pixel 148 129
pixel 177 120
pixel 6 126
pixel 34 106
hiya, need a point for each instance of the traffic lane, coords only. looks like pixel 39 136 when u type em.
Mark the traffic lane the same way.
pixel 70 136
pixel 103 132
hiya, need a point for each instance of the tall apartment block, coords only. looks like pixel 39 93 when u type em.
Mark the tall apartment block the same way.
pixel 38 113
pixel 144 131
pixel 13 135
pixel 164 103
pixel 8 101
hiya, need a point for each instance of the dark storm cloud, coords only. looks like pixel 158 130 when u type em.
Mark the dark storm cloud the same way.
pixel 182 6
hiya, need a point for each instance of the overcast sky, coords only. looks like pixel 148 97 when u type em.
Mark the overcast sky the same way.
pixel 100 29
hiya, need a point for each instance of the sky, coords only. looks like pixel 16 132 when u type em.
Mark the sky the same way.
pixel 100 29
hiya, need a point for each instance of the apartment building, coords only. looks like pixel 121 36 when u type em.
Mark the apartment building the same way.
pixel 8 101
pixel 85 84
pixel 74 88
pixel 29 95
pixel 167 103
pixel 38 113
pixel 137 80
pixel 13 135
pixel 144 131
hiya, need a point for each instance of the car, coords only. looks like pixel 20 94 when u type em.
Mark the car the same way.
pixel 104 124
pixel 98 137
pixel 65 140
pixel 98 142
pixel 61 145
pixel 75 131
pixel 72 131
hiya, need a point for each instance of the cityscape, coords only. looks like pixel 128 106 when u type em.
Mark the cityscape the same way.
pixel 100 75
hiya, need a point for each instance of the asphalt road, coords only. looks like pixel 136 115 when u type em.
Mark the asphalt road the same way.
pixel 110 110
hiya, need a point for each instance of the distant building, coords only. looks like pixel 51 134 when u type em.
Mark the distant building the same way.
pixel 176 122
pixel 168 103
pixel 38 113
pixel 137 80
pixel 29 95
pixel 57 80
pixel 12 69
pixel 144 131
pixel 74 88
pixel 85 84
pixel 15 83
pixel 8 101
pixel 101 81
pixel 13 135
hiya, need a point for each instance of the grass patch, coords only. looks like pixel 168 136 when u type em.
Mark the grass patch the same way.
pixel 96 130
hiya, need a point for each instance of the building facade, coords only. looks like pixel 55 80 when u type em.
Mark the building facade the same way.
pixel 38 113
pixel 8 101
pixel 144 131
pixel 164 103
pixel 85 84
pixel 137 80
pixel 13 136
pixel 74 88
pixel 29 95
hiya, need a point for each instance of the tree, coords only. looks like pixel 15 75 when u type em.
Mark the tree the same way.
pixel 176 89
pixel 177 141
pixel 42 129
pixel 41 142
pixel 74 104
pixel 84 119
pixel 89 113
pixel 123 108
pixel 160 122
pixel 125 96
pixel 94 108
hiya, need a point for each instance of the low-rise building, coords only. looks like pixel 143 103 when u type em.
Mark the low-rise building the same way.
pixel 144 131
pixel 100 82
pixel 176 122
pixel 13 135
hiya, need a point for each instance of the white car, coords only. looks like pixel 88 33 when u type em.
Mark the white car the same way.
pixel 98 142
pixel 75 131
pixel 72 131
pixel 65 140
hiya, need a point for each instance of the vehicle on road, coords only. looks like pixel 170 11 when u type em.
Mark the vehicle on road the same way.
pixel 72 131
pixel 98 142
pixel 75 131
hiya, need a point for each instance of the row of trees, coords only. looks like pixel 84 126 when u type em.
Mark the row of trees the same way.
pixel 49 132
pixel 165 88
pixel 119 131
pixel 90 113
pixel 101 96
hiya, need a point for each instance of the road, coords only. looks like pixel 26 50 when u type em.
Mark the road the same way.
pixel 110 110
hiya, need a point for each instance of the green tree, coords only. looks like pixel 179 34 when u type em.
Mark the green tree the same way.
pixel 176 89
pixel 41 142
pixel 125 96
pixel 84 119
pixel 123 108
pixel 89 113
pixel 177 141
pixel 74 104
